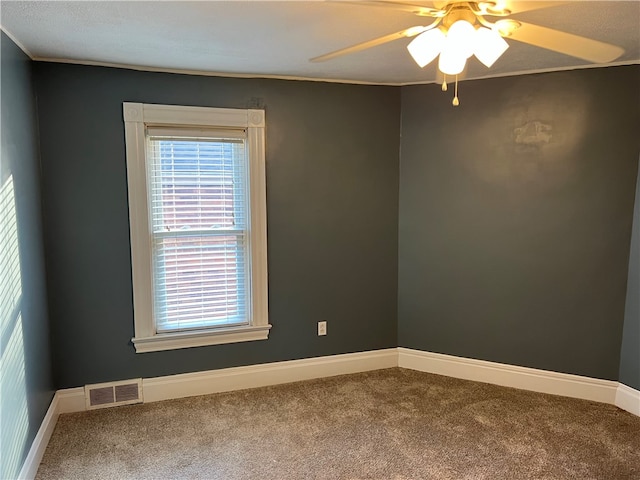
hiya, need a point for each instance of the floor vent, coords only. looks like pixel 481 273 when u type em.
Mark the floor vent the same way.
pixel 101 395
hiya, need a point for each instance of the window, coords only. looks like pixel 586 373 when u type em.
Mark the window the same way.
pixel 197 209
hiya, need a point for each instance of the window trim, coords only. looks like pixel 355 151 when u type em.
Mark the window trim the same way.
pixel 136 117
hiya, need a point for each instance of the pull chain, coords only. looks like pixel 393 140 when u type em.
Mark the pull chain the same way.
pixel 444 84
pixel 456 102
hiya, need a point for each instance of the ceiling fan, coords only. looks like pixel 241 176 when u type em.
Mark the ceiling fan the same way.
pixel 460 30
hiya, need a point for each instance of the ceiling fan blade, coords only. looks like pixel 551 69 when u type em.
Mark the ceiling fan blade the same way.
pixel 406 33
pixel 567 43
pixel 420 10
pixel 526 6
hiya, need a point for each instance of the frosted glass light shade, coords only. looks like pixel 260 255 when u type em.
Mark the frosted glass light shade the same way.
pixel 426 46
pixel 451 61
pixel 460 38
pixel 489 45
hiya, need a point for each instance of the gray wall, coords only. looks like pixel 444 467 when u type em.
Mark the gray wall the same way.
pixel 515 218
pixel 332 207
pixel 26 380
pixel 630 353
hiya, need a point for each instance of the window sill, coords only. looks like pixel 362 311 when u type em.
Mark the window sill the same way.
pixel 173 341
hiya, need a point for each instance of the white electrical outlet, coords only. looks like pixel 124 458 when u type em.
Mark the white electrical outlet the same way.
pixel 322 328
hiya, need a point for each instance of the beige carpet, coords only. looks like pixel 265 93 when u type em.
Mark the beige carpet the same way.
pixel 389 425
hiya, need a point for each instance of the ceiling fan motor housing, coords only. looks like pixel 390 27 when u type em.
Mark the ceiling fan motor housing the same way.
pixel 459 11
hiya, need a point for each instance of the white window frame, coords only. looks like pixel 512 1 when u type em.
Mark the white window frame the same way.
pixel 137 116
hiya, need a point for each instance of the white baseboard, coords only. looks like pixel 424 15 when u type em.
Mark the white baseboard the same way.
pixel 71 400
pixel 628 399
pixel 40 442
pixel 251 376
pixel 236 378
pixel 543 381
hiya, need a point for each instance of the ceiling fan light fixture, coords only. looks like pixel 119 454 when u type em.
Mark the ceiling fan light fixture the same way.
pixel 489 45
pixel 426 46
pixel 451 62
pixel 460 38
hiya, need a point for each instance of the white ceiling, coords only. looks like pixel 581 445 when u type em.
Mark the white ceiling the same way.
pixel 263 38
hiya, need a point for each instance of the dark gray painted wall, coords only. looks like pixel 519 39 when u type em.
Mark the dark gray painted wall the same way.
pixel 514 245
pixel 630 352
pixel 332 206
pixel 511 249
pixel 19 163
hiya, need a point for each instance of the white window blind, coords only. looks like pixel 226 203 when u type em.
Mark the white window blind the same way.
pixel 198 193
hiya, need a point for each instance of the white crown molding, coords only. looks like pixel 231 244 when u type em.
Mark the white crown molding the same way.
pixel 205 73
pixel 17 42
pixel 520 73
